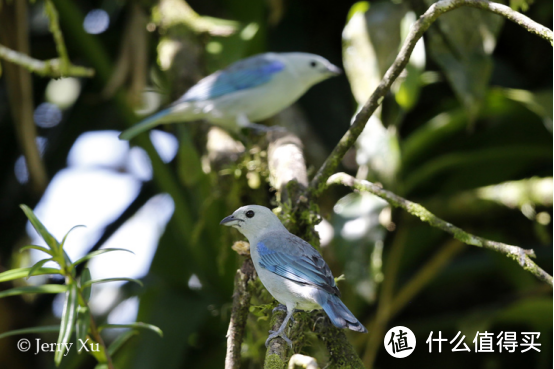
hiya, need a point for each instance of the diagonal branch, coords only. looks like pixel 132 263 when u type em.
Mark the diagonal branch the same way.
pixel 517 253
pixel 317 185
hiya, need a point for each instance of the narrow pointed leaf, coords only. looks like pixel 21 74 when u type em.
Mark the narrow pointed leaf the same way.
pixel 38 265
pixel 96 253
pixel 85 278
pixel 83 323
pixel 45 329
pixel 40 228
pixel 45 288
pixel 35 247
pixel 24 272
pixel 120 341
pixel 68 320
pixel 106 280
pixel 133 326
pixel 68 232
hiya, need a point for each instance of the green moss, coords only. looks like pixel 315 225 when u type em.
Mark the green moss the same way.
pixel 273 362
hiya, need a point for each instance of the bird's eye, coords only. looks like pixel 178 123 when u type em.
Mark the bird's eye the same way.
pixel 313 64
pixel 249 213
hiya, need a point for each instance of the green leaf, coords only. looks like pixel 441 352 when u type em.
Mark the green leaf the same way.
pixel 86 291
pixel 82 325
pixel 106 280
pixel 38 265
pixel 39 248
pixel 45 288
pixel 133 326
pixel 96 253
pixel 45 329
pixel 101 366
pixel 40 228
pixel 68 320
pixel 359 7
pixel 24 272
pixel 120 341
pixel 461 43
pixel 68 232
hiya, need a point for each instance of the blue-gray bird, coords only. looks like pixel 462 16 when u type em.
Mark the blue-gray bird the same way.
pixel 290 268
pixel 247 91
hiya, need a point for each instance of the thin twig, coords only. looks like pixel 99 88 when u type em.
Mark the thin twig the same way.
pixel 51 68
pixel 514 252
pixel 54 25
pixel 317 185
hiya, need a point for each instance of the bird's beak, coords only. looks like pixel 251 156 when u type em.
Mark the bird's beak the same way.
pixel 334 70
pixel 230 221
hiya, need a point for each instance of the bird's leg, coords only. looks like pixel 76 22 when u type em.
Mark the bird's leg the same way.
pixel 281 331
pixel 280 307
pixel 244 122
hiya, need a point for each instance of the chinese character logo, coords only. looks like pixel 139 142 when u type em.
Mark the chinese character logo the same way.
pixel 400 342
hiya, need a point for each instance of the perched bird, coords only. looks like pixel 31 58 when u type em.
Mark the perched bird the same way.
pixel 290 268
pixel 247 91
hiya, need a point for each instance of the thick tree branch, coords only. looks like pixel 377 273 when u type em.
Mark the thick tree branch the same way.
pixel 239 314
pixel 288 175
pixel 518 254
pixel 317 185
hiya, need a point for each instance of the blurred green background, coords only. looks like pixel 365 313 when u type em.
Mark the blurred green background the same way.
pixel 466 131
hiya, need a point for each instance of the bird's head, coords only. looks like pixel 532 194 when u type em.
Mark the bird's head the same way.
pixel 253 220
pixel 310 67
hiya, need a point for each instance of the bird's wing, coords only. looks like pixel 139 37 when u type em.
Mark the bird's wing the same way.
pixel 295 259
pixel 244 74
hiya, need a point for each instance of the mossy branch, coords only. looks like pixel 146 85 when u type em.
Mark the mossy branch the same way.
pixel 317 185
pixel 288 175
pixel 239 314
pixel 522 256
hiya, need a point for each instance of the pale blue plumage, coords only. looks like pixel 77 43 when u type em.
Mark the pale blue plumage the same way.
pixel 290 268
pixel 297 260
pixel 247 91
pixel 245 74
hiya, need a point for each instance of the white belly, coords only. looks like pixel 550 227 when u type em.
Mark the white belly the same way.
pixel 258 103
pixel 287 292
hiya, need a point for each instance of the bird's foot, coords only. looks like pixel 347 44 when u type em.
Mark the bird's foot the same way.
pixel 280 307
pixel 275 334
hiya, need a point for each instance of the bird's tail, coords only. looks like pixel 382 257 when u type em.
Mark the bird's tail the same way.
pixel 164 116
pixel 340 316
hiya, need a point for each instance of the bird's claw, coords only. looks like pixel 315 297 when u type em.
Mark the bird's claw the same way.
pixel 280 307
pixel 275 334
